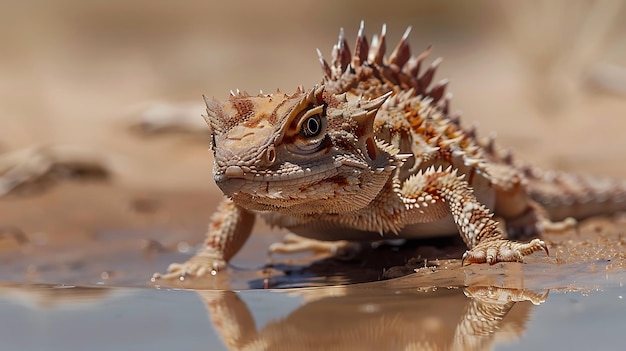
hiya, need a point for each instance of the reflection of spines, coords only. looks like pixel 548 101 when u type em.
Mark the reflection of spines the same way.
pixel 340 318
pixel 400 71
pixel 486 312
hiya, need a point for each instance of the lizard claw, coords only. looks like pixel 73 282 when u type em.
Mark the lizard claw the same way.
pixel 199 266
pixel 502 250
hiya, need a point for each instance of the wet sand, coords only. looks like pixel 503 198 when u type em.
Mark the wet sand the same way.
pixel 77 253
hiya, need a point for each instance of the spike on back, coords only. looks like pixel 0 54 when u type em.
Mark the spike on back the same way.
pixel 415 63
pixel 400 71
pixel 343 56
pixel 377 52
pixel 402 53
pixel 325 67
pixel 361 48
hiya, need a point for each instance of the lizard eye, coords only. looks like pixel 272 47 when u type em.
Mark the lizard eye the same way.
pixel 312 126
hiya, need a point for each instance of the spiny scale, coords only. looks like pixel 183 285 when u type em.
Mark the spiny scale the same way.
pixel 401 70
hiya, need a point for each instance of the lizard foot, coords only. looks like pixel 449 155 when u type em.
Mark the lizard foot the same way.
pixel 293 243
pixel 547 226
pixel 199 266
pixel 502 250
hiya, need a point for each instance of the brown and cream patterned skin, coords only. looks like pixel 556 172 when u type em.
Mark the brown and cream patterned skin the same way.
pixel 370 153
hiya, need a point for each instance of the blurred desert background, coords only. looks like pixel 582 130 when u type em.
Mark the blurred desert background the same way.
pixel 112 91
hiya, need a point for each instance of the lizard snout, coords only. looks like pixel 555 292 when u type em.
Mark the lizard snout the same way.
pixel 234 172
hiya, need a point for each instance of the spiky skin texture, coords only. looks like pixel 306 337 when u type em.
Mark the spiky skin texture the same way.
pixel 371 152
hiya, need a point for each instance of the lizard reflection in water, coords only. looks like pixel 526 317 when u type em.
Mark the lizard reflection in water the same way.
pixel 349 318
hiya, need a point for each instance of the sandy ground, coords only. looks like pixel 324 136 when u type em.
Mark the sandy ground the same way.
pixel 550 83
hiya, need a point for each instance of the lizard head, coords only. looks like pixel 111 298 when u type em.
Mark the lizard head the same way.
pixel 303 153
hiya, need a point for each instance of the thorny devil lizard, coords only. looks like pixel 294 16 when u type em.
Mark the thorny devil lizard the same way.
pixel 373 153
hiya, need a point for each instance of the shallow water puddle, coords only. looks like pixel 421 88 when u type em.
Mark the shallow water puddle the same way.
pixel 373 316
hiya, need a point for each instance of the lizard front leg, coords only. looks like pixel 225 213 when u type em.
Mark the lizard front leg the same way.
pixel 229 228
pixel 482 235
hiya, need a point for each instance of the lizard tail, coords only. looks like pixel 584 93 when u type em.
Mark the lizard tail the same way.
pixel 571 195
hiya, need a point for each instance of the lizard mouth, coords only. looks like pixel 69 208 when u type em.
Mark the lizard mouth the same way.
pixel 235 179
pixel 285 174
pixel 291 179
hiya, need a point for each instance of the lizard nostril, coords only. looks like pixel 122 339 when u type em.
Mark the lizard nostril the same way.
pixel 270 154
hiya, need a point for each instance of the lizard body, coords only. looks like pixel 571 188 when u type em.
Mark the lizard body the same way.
pixel 374 152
